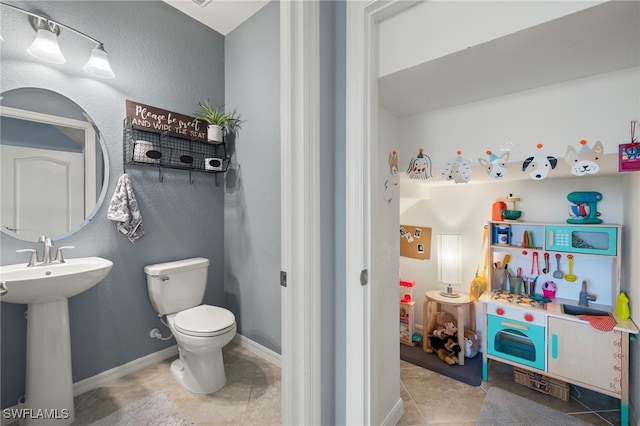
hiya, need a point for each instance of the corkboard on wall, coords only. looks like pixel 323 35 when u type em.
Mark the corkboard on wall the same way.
pixel 415 242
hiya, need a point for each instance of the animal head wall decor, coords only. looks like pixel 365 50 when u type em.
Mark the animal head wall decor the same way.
pixel 585 161
pixel 457 170
pixel 496 167
pixel 420 166
pixel 539 165
pixel 393 163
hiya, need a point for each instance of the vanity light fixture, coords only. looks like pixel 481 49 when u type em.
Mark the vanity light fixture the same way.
pixel 45 46
pixel 98 63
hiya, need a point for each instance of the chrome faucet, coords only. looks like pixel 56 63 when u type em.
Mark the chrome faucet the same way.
pixel 585 297
pixel 46 254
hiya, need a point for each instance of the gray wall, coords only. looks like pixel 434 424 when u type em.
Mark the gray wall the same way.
pixel 252 190
pixel 332 197
pixel 156 61
pixel 160 58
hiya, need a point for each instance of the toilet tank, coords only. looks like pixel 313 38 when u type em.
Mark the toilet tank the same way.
pixel 176 286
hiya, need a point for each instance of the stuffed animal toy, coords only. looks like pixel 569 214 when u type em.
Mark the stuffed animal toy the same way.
pixel 441 323
pixel 447 349
pixel 449 330
pixel 471 344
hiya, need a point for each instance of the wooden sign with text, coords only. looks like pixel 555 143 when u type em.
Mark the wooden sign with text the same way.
pixel 157 120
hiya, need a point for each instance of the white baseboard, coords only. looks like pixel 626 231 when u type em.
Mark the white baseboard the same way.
pixel 259 350
pixel 107 376
pixel 393 417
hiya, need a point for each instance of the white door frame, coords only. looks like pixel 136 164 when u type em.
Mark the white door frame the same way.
pixel 300 188
pixel 361 141
pixel 300 192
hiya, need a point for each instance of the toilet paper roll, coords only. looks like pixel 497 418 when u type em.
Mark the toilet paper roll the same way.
pixel 140 150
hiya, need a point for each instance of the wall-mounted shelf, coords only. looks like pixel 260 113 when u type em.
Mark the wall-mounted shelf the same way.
pixel 161 150
pixel 594 247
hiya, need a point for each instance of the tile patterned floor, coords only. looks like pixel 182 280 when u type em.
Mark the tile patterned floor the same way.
pixel 432 399
pixel 252 395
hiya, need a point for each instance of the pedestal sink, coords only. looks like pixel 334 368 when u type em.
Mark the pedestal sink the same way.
pixel 46 289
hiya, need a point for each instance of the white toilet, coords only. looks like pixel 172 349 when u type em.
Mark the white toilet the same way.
pixel 176 289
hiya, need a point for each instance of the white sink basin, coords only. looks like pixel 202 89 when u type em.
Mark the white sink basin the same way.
pixel 56 281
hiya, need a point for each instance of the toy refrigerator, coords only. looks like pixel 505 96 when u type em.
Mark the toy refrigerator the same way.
pixel 407 306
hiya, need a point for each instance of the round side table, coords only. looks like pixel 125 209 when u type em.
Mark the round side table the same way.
pixel 434 297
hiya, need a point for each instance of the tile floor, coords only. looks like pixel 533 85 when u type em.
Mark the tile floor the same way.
pixel 432 399
pixel 252 395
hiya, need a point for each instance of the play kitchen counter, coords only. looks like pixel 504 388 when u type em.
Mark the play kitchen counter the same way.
pixel 548 341
pixel 531 313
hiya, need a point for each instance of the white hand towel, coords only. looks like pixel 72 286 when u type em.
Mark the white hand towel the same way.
pixel 124 210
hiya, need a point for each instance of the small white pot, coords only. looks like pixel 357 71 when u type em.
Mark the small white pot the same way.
pixel 214 133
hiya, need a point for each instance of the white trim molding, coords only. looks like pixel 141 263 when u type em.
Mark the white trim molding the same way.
pixel 259 350
pixel 300 192
pixel 361 111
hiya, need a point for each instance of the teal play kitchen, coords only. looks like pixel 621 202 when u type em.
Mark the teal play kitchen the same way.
pixel 541 329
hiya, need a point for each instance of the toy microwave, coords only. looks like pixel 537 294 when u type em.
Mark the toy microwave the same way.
pixel 582 239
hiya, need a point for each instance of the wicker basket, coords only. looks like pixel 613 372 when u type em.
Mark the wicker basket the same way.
pixel 542 384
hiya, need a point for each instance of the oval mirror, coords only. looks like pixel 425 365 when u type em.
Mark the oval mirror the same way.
pixel 54 169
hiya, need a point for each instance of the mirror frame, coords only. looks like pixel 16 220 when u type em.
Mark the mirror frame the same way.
pixel 92 139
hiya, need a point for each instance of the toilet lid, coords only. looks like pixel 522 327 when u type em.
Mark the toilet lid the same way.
pixel 204 320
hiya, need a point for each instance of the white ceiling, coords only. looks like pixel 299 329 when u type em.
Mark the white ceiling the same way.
pixel 221 15
pixel 597 40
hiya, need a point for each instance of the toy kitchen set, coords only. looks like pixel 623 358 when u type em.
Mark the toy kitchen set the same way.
pixel 553 306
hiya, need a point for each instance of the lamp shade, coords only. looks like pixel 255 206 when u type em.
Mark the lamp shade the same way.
pixel 45 47
pixel 449 261
pixel 98 63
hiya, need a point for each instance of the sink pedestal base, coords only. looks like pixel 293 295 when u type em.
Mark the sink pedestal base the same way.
pixel 49 384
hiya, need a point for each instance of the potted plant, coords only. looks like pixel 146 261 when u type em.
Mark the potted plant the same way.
pixel 219 120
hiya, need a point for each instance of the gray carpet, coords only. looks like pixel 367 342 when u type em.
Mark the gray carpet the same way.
pixel 154 410
pixel 502 408
pixel 469 373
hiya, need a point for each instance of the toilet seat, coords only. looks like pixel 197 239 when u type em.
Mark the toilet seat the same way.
pixel 204 321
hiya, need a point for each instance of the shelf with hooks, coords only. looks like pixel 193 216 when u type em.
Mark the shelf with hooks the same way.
pixel 143 148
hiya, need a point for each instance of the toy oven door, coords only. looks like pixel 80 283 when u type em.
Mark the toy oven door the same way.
pixel 516 341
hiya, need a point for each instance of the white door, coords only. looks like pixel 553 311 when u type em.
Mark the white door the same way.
pixel 42 191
